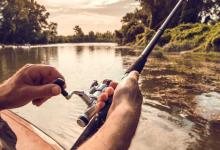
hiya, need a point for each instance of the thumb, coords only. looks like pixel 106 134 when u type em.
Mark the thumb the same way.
pixel 47 90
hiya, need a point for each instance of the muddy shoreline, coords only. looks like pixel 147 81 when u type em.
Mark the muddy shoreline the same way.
pixel 176 79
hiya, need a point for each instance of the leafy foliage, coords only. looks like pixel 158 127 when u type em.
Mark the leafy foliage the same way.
pixel 25 21
pixel 79 37
pixel 152 13
pixel 191 12
pixel 193 37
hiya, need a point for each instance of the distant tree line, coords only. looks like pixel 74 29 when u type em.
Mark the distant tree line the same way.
pixel 152 13
pixel 80 36
pixel 26 22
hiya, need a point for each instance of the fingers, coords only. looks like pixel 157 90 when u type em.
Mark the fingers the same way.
pixel 43 74
pixel 109 91
pixel 38 92
pixel 39 102
pixel 113 84
pixel 46 70
pixel 101 101
pixel 99 106
pixel 53 73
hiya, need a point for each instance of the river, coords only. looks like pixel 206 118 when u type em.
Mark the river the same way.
pixel 162 126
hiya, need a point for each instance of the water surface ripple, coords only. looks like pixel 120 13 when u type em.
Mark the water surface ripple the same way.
pixel 160 127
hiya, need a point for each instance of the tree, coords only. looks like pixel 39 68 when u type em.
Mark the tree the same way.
pixel 78 31
pixel 152 14
pixel 137 16
pixel 24 21
pixel 119 36
pixel 210 11
pixel 91 36
pixel 129 31
pixel 191 12
pixel 50 34
pixel 2 5
pixel 79 34
pixel 128 17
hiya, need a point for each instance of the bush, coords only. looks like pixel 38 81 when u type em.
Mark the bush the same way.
pixel 198 37
pixel 133 32
pixel 148 35
pixel 144 38
pixel 192 37
pixel 183 27
pixel 165 39
pixel 177 47
pixel 216 43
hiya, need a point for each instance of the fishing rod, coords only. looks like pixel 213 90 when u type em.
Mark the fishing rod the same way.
pixel 92 120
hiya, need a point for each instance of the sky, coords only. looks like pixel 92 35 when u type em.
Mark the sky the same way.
pixel 96 15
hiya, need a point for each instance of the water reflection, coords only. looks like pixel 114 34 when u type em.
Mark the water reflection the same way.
pixel 13 59
pixel 174 82
pixel 79 50
pixel 80 64
pixel 207 136
pixel 208 106
pixel 91 48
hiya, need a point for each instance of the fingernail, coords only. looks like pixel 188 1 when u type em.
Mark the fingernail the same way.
pixel 56 90
pixel 99 106
pixel 109 91
pixel 103 97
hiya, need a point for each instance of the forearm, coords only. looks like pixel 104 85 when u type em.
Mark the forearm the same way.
pixel 118 130
pixel 3 96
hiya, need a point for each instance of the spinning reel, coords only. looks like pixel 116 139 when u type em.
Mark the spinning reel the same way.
pixel 89 98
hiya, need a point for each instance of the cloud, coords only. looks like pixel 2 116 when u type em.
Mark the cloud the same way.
pixel 88 22
pixel 96 3
pixel 113 8
pixel 77 3
pixel 97 15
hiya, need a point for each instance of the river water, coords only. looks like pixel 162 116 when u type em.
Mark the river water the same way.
pixel 160 127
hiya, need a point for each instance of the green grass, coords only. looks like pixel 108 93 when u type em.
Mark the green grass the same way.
pixel 197 37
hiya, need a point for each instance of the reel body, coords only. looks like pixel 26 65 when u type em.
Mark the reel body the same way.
pixel 90 99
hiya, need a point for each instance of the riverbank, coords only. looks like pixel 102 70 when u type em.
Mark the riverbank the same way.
pixel 15 46
pixel 28 46
pixel 185 37
pixel 172 78
pixel 176 79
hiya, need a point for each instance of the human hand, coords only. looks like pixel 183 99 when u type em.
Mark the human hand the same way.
pixel 123 116
pixel 127 94
pixel 30 83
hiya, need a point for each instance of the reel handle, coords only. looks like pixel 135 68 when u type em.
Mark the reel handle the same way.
pixel 60 82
